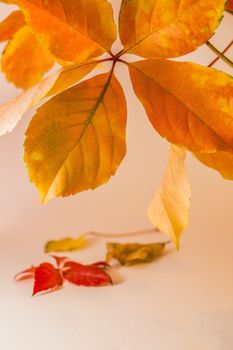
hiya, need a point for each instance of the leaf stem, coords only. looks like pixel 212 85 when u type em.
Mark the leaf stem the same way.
pixel 224 51
pixel 122 234
pixel 219 54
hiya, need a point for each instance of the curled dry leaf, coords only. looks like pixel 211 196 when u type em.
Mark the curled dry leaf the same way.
pixel 48 277
pixel 163 29
pixel 134 253
pixel 169 210
pixel 66 244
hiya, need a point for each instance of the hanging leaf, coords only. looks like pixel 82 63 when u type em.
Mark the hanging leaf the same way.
pixel 220 161
pixel 134 253
pixel 165 28
pixel 186 103
pixel 10 25
pixel 12 111
pixel 76 141
pixel 66 244
pixel 169 210
pixel 86 275
pixel 20 70
pixel 73 30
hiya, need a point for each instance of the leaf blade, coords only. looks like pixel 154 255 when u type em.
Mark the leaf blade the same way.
pixel 162 29
pixel 174 95
pixel 169 210
pixel 10 25
pixel 65 244
pixel 70 32
pixel 85 117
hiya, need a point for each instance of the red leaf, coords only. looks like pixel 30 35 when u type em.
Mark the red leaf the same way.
pixel 47 277
pixel 229 5
pixel 101 265
pixel 86 275
pixel 23 275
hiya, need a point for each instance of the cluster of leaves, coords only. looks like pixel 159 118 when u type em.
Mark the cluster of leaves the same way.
pixel 48 277
pixel 76 140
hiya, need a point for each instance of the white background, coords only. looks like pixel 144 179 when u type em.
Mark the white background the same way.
pixel 182 301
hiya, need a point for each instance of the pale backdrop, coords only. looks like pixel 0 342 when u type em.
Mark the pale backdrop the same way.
pixel 185 300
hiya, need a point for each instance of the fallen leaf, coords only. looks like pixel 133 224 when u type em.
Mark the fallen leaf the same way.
pixel 66 244
pixel 220 161
pixel 47 277
pixel 10 25
pixel 76 141
pixel 12 111
pixel 86 275
pixel 188 104
pixel 72 30
pixel 165 28
pixel 134 253
pixel 21 70
pixel 169 210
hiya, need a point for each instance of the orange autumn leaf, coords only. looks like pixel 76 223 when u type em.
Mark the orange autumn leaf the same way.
pixel 165 28
pixel 73 30
pixel 20 68
pixel 12 111
pixel 10 25
pixel 220 161
pixel 188 104
pixel 169 210
pixel 76 141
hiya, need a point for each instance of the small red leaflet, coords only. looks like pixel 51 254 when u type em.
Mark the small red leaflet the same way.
pixel 48 277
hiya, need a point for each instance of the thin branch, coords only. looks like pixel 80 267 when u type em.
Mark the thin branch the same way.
pixel 220 54
pixel 124 234
pixel 224 51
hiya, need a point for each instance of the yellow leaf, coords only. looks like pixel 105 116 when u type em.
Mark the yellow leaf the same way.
pixel 220 161
pixel 74 30
pixel 134 253
pixel 65 245
pixel 169 210
pixel 165 28
pixel 76 141
pixel 10 25
pixel 25 60
pixel 188 104
pixel 12 111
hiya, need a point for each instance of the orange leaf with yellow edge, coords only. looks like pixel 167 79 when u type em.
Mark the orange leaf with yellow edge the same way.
pixel 165 28
pixel 10 25
pixel 12 111
pixel 23 70
pixel 76 141
pixel 169 210
pixel 220 161
pixel 188 104
pixel 74 30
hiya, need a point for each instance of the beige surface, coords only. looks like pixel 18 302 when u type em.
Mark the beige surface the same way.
pixel 184 300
